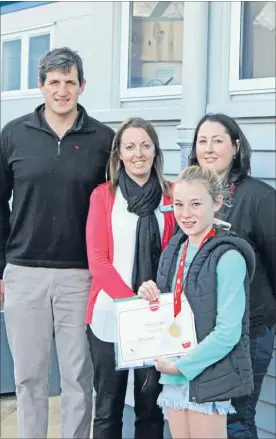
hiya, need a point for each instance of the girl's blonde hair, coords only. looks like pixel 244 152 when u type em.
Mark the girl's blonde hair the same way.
pixel 115 162
pixel 205 176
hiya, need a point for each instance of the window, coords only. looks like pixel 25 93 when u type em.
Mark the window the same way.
pixel 20 58
pixel 252 47
pixel 11 70
pixel 37 47
pixel 151 49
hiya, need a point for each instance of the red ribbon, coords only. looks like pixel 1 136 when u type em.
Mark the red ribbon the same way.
pixel 231 191
pixel 180 273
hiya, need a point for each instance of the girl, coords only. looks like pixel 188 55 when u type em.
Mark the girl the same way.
pixel 216 267
pixel 128 225
pixel 220 144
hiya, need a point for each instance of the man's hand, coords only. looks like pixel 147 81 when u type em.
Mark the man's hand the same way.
pixel 1 290
pixel 164 365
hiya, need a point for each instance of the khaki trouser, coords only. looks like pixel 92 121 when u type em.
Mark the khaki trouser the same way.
pixel 40 302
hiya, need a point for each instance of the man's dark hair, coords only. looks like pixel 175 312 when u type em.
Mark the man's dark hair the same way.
pixel 62 59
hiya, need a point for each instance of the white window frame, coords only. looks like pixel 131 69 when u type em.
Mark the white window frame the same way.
pixel 24 35
pixel 237 85
pixel 138 93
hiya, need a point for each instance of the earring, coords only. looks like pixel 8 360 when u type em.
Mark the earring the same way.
pixel 234 156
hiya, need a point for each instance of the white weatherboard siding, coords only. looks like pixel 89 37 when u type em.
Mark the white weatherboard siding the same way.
pixel 261 135
pixel 266 413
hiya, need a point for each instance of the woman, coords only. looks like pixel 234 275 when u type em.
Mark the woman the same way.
pixel 220 144
pixel 212 268
pixel 129 223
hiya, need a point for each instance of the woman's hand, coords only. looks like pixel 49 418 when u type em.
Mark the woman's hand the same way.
pixel 164 365
pixel 149 291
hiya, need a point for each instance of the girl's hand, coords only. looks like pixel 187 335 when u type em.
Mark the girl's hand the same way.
pixel 149 291
pixel 164 365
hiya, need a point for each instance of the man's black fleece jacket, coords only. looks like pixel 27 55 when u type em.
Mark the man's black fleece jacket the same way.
pixel 51 181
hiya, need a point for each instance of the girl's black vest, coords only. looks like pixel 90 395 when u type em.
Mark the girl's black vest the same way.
pixel 231 376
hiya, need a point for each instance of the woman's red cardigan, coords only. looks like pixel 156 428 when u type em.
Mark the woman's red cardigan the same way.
pixel 99 242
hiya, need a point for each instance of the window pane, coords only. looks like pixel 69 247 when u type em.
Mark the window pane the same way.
pixel 258 40
pixel 155 48
pixel 38 46
pixel 11 65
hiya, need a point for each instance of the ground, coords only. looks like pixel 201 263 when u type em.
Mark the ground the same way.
pixel 9 423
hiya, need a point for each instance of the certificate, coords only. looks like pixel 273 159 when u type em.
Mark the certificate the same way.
pixel 143 331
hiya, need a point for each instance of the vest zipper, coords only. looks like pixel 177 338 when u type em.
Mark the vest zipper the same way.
pixel 58 148
pixel 189 269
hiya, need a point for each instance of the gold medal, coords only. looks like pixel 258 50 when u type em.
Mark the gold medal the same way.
pixel 174 330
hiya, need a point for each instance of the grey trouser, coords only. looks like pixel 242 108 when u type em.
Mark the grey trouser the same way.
pixel 40 302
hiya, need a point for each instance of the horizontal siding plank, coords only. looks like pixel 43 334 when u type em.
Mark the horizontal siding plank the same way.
pixel 272 366
pixel 268 390
pixel 263 434
pixel 260 134
pixel 265 417
pixel 172 162
pixel 167 134
pixel 263 164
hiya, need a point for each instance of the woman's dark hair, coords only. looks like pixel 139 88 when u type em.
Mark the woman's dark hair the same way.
pixel 240 166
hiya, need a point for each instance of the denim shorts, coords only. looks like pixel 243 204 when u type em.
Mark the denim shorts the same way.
pixel 177 397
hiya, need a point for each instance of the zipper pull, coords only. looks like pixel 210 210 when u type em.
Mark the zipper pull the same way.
pixel 58 149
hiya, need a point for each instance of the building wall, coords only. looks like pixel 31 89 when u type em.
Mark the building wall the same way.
pixel 266 413
pixel 255 113
pixel 94 28
pixel 72 24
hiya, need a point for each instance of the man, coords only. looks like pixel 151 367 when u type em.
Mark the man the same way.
pixel 52 160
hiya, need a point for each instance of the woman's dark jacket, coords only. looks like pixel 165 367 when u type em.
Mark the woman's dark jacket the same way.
pixel 253 217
